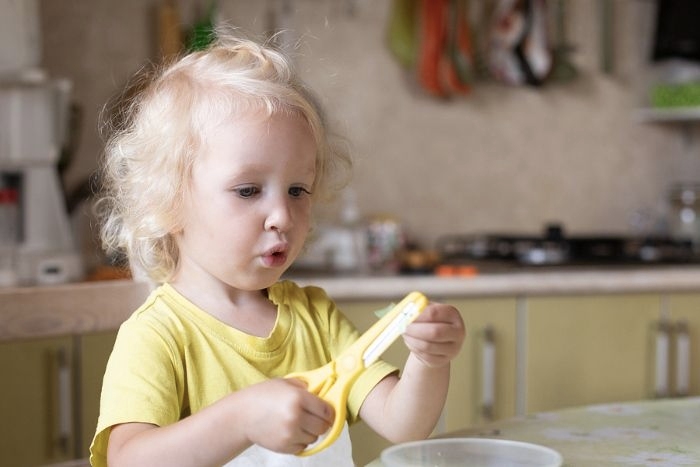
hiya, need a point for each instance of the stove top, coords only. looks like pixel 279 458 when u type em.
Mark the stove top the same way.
pixel 553 248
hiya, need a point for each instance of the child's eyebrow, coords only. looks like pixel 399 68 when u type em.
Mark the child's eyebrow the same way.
pixel 256 170
pixel 245 169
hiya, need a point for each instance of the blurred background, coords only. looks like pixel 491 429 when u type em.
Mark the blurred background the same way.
pixel 530 137
pixel 545 118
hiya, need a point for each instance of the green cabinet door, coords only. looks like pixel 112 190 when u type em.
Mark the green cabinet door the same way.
pixel 94 353
pixel 589 349
pixel 49 397
pixel 37 402
pixel 682 311
pixel 483 376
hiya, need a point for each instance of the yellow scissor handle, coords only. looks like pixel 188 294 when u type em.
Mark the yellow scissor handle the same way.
pixel 385 331
pixel 333 381
pixel 334 388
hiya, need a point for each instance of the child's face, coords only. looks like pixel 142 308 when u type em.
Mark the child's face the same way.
pixel 249 208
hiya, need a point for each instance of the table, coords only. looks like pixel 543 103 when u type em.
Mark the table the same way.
pixel 654 433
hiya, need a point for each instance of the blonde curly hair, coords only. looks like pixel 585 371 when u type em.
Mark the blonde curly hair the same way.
pixel 157 131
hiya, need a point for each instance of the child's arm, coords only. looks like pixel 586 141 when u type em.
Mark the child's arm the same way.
pixel 408 408
pixel 278 414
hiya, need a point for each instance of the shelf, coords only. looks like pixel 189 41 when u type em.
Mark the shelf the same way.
pixel 677 115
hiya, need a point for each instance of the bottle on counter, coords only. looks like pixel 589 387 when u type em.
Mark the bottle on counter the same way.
pixel 350 254
pixel 684 222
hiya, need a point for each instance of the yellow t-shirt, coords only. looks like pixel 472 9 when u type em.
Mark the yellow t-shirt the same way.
pixel 171 358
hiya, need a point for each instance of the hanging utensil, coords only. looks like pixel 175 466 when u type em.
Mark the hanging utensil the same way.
pixel 433 15
pixel 607 16
pixel 518 42
pixel 459 49
pixel 563 69
pixel 401 35
pixel 507 28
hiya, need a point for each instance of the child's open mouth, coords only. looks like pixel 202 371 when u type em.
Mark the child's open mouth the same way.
pixel 275 258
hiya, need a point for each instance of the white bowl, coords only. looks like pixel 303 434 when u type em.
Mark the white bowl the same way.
pixel 472 452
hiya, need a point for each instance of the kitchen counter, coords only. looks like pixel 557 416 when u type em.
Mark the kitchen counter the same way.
pixel 29 312
pixel 97 306
pixel 527 282
pixel 660 432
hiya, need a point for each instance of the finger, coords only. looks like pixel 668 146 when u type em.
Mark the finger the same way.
pixel 435 332
pixel 314 427
pixel 298 382
pixel 327 414
pixel 439 312
pixel 311 403
pixel 437 349
pixel 432 355
pixel 318 407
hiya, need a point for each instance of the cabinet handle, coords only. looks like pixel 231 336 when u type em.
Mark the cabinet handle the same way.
pixel 488 373
pixel 682 360
pixel 65 402
pixel 662 339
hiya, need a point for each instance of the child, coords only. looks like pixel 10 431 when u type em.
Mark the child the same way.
pixel 209 185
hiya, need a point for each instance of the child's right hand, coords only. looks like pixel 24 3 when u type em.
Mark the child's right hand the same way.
pixel 283 416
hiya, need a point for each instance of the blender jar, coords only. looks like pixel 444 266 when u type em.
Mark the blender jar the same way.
pixel 9 230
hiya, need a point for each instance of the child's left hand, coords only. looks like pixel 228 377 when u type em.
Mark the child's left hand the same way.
pixel 436 336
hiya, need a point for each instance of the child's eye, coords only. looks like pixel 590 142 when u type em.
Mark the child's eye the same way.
pixel 297 191
pixel 246 191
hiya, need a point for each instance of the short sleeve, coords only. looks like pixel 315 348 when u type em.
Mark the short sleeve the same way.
pixel 144 389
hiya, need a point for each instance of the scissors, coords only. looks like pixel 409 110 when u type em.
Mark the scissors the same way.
pixel 332 382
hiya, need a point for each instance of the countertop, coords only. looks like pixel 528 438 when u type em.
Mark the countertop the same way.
pixel 660 432
pixel 515 283
pixel 98 306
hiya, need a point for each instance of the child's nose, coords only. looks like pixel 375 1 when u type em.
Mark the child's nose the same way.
pixel 279 216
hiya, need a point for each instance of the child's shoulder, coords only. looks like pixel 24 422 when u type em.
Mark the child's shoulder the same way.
pixel 163 305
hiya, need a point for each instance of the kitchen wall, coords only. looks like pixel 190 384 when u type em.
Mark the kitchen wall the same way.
pixel 504 158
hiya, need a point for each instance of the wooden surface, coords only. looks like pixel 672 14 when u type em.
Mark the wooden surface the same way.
pixel 34 312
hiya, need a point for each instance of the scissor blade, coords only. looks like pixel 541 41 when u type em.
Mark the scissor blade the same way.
pixel 393 330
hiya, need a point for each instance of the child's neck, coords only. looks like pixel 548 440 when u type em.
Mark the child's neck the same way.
pixel 248 311
pixel 254 317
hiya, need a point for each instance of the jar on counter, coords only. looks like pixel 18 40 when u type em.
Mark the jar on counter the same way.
pixel 684 222
pixel 386 239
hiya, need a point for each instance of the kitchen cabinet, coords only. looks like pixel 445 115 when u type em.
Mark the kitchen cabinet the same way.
pixel 589 349
pixel 50 397
pixel 607 348
pixel 54 346
pixel 36 402
pixel 526 354
pixel 95 351
pixel 681 313
pixel 483 375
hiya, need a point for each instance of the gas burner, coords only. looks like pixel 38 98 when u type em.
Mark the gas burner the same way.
pixel 553 248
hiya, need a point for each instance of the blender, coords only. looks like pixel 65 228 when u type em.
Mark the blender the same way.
pixel 35 233
pixel 36 241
